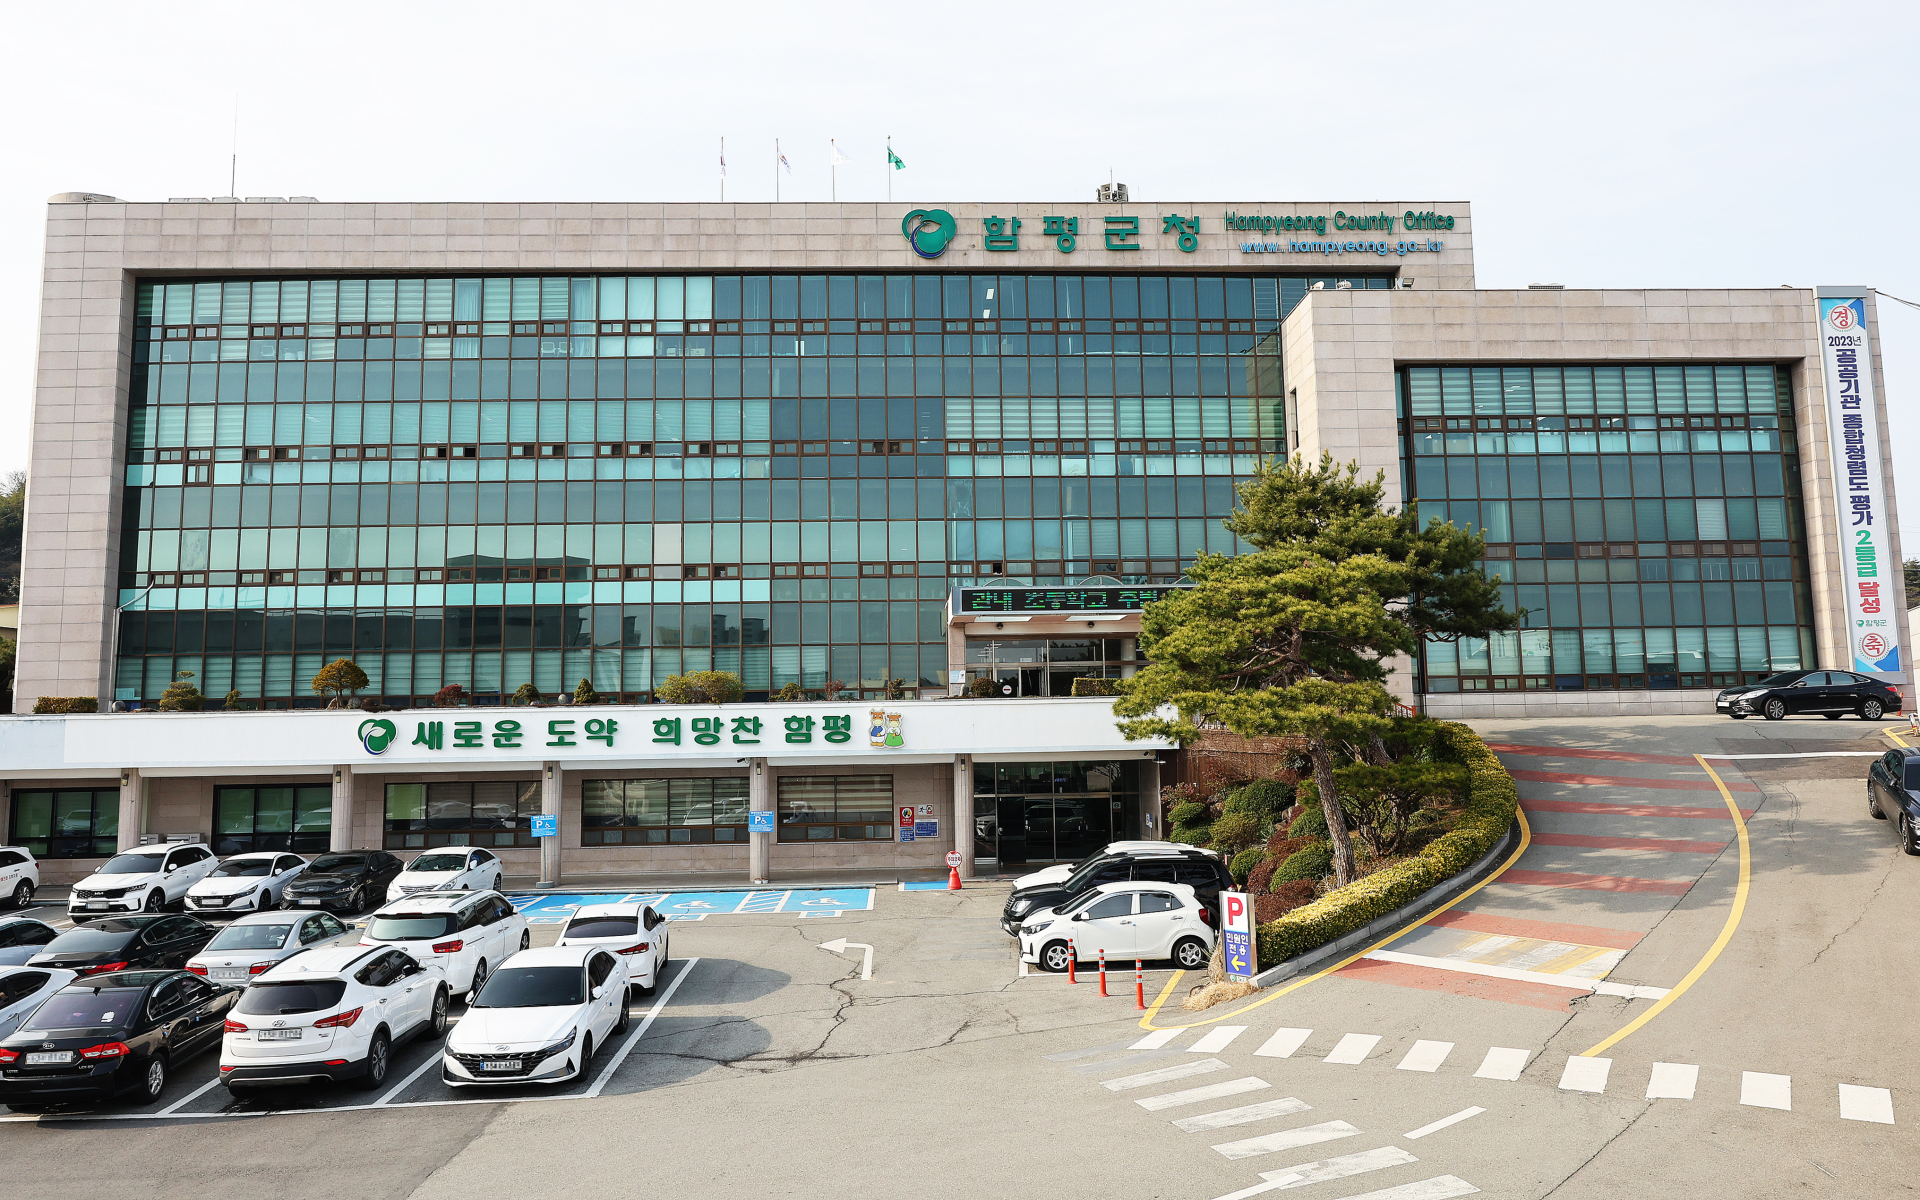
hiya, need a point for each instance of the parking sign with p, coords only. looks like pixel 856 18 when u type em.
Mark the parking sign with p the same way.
pixel 1236 935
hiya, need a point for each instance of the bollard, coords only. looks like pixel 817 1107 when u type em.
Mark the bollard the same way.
pixel 1139 987
pixel 1073 957
pixel 1103 972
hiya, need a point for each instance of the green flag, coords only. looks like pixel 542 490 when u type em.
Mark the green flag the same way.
pixel 893 158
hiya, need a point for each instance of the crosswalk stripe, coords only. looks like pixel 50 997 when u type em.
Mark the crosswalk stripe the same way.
pixel 1866 1104
pixel 1583 1074
pixel 1217 1039
pixel 1241 1116
pixel 1672 1081
pixel 1326 1131
pixel 1425 1056
pixel 1340 1167
pixel 1444 1122
pixel 1761 1090
pixel 1213 1091
pixel 1130 1060
pixel 1183 1070
pixel 1502 1062
pixel 1440 1187
pixel 1353 1048
pixel 1283 1043
pixel 1156 1039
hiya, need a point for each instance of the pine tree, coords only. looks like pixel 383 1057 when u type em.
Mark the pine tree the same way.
pixel 181 695
pixel 584 693
pixel 341 677
pixel 526 693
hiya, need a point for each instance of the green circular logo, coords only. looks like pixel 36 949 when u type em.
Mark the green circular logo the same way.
pixel 928 230
pixel 377 734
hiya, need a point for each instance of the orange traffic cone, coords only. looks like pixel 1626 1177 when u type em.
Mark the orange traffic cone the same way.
pixel 953 878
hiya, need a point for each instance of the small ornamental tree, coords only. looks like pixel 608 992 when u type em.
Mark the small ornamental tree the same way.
pixel 832 688
pixel 341 677
pixel 526 693
pixel 450 696
pixel 584 693
pixel 181 695
pixel 700 687
pixel 790 692
pixel 234 703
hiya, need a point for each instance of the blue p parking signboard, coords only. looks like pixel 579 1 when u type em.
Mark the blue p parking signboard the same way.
pixel 546 825
pixel 1236 935
pixel 760 820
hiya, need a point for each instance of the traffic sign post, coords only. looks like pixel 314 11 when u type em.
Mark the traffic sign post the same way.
pixel 1236 936
pixel 953 870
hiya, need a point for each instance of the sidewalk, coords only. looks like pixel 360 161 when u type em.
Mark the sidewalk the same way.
pixel 734 881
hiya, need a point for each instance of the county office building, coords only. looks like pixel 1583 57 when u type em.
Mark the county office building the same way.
pixel 909 449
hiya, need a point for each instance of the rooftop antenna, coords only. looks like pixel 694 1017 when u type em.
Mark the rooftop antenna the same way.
pixel 233 160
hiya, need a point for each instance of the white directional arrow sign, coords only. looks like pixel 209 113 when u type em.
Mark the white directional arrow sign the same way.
pixel 841 945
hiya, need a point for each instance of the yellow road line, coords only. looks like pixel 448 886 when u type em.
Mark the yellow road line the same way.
pixel 1526 839
pixel 1897 739
pixel 1720 943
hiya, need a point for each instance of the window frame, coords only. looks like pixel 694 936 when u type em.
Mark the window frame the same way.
pixel 792 828
pixel 720 797
pixel 292 840
pixel 101 839
pixel 419 832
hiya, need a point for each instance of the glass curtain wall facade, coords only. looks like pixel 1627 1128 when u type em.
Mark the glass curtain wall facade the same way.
pixel 1647 517
pixel 495 481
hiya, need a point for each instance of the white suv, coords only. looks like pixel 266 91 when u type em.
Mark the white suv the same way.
pixel 331 1014
pixel 464 934
pixel 145 879
pixel 452 869
pixel 19 875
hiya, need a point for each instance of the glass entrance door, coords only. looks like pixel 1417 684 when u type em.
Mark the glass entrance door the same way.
pixel 1051 811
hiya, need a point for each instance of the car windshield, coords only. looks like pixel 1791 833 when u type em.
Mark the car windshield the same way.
pixel 131 864
pixel 336 862
pixel 602 927
pixel 251 937
pixel 233 868
pixel 84 937
pixel 439 862
pixel 410 927
pixel 78 1008
pixel 284 999
pixel 531 987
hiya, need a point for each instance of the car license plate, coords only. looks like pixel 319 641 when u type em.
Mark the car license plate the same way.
pixel 513 1065
pixel 96 904
pixel 279 1035
pixel 230 973
pixel 41 1058
pixel 211 901
pixel 310 904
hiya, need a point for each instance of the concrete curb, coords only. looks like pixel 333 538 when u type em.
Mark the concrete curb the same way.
pixel 1426 902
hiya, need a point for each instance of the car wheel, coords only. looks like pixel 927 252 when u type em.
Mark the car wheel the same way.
pixel 156 1079
pixel 1908 842
pixel 379 1058
pixel 526 938
pixel 626 1018
pixel 1833 716
pixel 1871 710
pixel 23 895
pixel 156 900
pixel 479 979
pixel 1873 805
pixel 1776 710
pixel 1054 957
pixel 357 902
pixel 437 1021
pixel 1190 954
pixel 586 1052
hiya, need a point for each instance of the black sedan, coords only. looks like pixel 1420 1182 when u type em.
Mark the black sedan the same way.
pixel 111 1035
pixel 1893 793
pixel 343 882
pixel 126 943
pixel 1207 875
pixel 1831 694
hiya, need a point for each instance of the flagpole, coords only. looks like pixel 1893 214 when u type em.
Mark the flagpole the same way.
pixel 833 170
pixel 723 170
pixel 889 168
pixel 776 170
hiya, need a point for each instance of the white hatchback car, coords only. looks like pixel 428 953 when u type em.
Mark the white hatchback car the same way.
pixel 449 869
pixel 146 879
pixel 259 942
pixel 24 989
pixel 19 875
pixel 539 1018
pixel 246 883
pixel 332 1014
pixel 465 934
pixel 633 931
pixel 1126 920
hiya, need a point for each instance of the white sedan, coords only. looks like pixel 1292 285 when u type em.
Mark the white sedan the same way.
pixel 1126 920
pixel 24 989
pixel 246 883
pixel 539 1018
pixel 259 942
pixel 451 869
pixel 633 931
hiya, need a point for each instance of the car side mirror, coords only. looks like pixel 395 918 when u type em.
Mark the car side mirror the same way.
pixel 599 992
pixel 1080 916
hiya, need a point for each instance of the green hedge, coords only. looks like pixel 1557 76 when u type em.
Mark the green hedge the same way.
pixel 1492 801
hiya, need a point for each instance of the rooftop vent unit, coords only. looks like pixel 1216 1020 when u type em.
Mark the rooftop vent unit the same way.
pixel 266 199
pixel 186 199
pixel 1546 287
pixel 82 198
pixel 1111 193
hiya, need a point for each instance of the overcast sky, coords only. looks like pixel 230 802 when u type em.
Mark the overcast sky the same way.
pixel 1626 145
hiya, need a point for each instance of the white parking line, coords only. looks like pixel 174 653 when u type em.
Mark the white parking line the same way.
pixel 1443 1122
pixel 1866 1104
pixel 1425 1056
pixel 1283 1043
pixel 606 1073
pixel 1672 1081
pixel 1503 1062
pixel 195 1094
pixel 1213 1091
pixel 1353 1048
pixel 402 1086
pixel 1761 1090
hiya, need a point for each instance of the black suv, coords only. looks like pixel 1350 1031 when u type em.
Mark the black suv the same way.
pixel 1201 870
pixel 1832 694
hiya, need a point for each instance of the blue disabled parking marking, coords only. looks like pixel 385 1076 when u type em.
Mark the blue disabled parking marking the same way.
pixel 554 908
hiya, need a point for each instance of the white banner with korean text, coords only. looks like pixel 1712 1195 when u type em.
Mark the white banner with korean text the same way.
pixel 1870 568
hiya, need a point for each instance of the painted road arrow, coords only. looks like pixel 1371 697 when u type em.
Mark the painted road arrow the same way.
pixel 840 945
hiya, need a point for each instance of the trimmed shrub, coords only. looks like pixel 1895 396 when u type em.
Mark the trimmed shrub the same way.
pixel 526 693
pixel 341 677
pixel 1491 803
pixel 181 695
pixel 981 688
pixel 1094 685
pixel 701 687
pixel 1309 864
pixel 1260 878
pixel 1265 799
pixel 1244 862
pixel 584 694
pixel 450 696
pixel 789 693
pixel 66 704
pixel 1312 821
pixel 1191 835
pixel 1282 900
pixel 1235 832
pixel 1191 813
